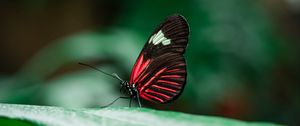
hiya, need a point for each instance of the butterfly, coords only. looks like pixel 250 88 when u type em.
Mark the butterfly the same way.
pixel 159 73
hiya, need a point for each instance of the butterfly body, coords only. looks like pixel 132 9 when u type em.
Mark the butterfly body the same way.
pixel 128 89
pixel 159 74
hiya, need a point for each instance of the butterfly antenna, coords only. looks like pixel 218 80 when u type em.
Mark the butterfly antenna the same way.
pixel 117 76
pixel 114 75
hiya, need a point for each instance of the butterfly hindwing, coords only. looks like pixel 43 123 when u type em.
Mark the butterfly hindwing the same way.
pixel 164 80
pixel 160 70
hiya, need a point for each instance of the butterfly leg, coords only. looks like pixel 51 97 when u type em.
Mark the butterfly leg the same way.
pixel 115 101
pixel 138 99
pixel 121 89
pixel 130 101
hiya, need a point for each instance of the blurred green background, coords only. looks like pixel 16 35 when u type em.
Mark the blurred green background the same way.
pixel 243 55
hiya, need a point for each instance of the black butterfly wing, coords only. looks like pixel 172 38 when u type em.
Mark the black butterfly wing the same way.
pixel 160 70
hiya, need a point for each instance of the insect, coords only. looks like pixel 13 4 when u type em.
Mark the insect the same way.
pixel 159 73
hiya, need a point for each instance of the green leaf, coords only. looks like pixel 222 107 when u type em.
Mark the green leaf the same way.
pixel 116 116
pixel 15 122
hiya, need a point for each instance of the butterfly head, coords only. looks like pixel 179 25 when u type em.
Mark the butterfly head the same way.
pixel 128 89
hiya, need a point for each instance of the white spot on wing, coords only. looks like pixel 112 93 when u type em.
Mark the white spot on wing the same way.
pixel 166 42
pixel 159 37
pixel 151 38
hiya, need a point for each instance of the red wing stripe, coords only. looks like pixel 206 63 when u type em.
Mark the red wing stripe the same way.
pixel 144 64
pixel 175 87
pixel 164 91
pixel 137 66
pixel 177 80
pixel 140 66
pixel 164 88
pixel 175 70
pixel 157 93
pixel 153 97
pixel 141 78
pixel 169 82
pixel 170 76
pixel 146 97
pixel 152 78
pixel 179 65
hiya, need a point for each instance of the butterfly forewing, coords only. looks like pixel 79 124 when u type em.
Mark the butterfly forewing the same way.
pixel 160 70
